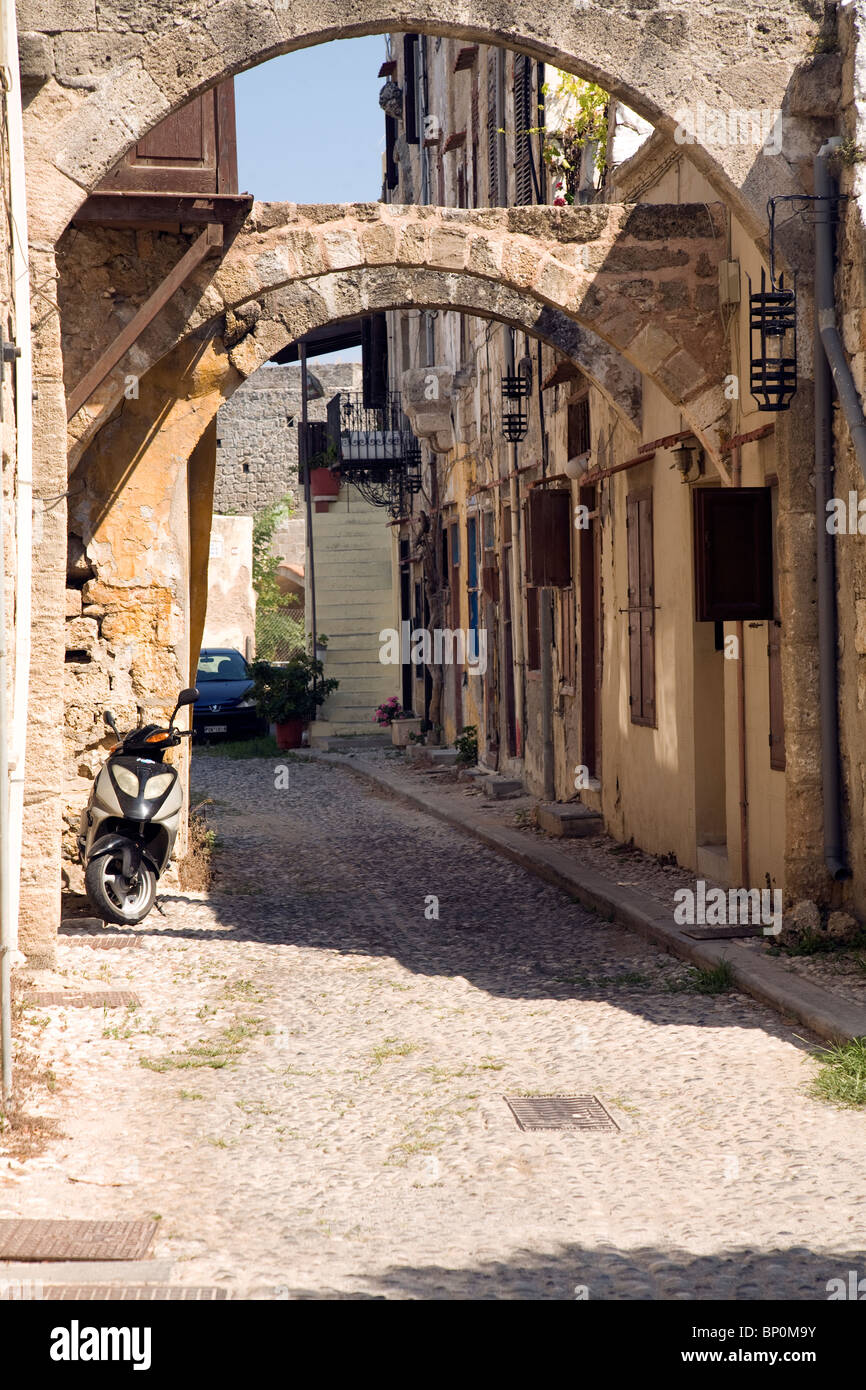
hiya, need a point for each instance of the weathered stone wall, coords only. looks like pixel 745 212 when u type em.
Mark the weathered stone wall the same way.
pixel 257 435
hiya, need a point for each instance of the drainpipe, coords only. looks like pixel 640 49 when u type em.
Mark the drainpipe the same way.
pixel 830 366
pixel 12 750
pixel 545 638
pixel 308 499
pixel 517 642
pixel 745 871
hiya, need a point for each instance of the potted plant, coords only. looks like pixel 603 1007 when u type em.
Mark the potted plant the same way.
pixel 402 722
pixel 321 646
pixel 324 476
pixel 289 695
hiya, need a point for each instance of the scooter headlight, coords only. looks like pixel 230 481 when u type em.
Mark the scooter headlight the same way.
pixel 126 780
pixel 158 785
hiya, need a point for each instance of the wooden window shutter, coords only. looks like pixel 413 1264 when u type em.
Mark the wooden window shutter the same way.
pixel 579 437
pixel 641 608
pixel 374 360
pixel 493 170
pixel 523 123
pixel 192 151
pixel 548 538
pixel 476 137
pixel 410 89
pixel 392 173
pixel 533 633
pixel 733 554
pixel 777 712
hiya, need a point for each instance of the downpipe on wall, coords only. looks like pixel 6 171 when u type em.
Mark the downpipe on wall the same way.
pixel 830 366
pixel 12 753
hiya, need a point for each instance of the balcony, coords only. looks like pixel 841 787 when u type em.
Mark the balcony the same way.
pixel 375 448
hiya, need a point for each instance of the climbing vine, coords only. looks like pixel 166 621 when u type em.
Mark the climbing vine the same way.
pixel 577 115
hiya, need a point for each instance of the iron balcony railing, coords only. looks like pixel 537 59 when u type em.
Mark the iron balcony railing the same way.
pixel 365 436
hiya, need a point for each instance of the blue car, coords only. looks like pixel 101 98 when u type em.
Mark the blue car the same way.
pixel 224 708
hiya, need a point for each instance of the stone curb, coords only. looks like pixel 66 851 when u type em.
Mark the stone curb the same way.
pixel 800 1000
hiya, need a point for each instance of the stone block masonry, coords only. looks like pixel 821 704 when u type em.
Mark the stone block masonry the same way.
pixel 257 434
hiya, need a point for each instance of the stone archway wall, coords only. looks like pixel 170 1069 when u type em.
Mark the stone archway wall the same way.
pixel 111 73
pixel 617 273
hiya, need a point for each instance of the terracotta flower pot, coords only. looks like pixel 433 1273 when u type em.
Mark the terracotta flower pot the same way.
pixel 289 733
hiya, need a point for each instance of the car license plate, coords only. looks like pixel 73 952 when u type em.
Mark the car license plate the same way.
pixel 216 728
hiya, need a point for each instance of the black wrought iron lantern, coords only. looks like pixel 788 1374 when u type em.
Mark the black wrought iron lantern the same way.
pixel 515 387
pixel 515 425
pixel 773 339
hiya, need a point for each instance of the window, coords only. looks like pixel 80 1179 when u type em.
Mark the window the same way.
pixel 733 554
pixel 392 173
pixel 548 537
pixel 641 608
pixel 410 88
pixel 566 637
pixel 374 359
pixel 533 634
pixel 454 539
pixel 579 438
pixel 472 580
pixel 524 172
pixel 774 655
pixel 497 190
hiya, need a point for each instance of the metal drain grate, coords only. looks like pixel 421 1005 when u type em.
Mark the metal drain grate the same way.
pixel 132 1293
pixel 81 999
pixel 560 1112
pixel 75 1240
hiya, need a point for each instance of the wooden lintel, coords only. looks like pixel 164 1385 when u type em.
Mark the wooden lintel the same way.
pixel 205 244
pixel 122 209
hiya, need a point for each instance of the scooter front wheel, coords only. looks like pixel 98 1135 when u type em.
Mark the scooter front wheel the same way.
pixel 117 899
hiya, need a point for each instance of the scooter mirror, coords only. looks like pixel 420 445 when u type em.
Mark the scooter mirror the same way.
pixel 187 697
pixel 109 719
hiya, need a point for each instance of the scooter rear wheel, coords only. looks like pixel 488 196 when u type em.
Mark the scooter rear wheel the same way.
pixel 111 895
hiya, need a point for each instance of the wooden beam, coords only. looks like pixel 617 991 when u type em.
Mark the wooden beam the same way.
pixel 120 208
pixel 210 240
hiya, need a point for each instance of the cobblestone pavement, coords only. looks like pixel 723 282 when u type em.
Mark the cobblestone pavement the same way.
pixel 311 1094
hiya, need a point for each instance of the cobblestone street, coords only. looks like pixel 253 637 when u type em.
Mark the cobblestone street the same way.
pixel 311 1093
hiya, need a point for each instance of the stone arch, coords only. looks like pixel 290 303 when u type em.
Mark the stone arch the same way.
pixel 114 79
pixel 614 272
pixel 262 327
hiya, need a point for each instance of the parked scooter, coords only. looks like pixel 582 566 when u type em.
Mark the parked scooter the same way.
pixel 127 831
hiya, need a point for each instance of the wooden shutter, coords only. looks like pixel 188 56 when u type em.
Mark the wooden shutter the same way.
pixel 548 538
pixel 523 124
pixel 192 151
pixel 733 554
pixel 493 170
pixel 533 634
pixel 476 137
pixel 374 360
pixel 410 89
pixel 777 713
pixel 579 438
pixel 392 173
pixel 641 608
pixel 566 637
pixel 454 538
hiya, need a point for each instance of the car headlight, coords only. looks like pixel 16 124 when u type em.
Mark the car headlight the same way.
pixel 126 780
pixel 156 786
pixel 246 704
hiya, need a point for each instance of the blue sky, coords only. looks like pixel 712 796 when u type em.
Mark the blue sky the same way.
pixel 310 129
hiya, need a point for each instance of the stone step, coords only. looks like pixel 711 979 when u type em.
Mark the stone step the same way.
pixel 570 820
pixel 500 788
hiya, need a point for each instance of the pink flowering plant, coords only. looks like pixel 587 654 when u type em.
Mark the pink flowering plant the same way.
pixel 388 711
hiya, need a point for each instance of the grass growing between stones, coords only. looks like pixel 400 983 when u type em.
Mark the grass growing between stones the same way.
pixel 842 1077
pixel 218 1052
